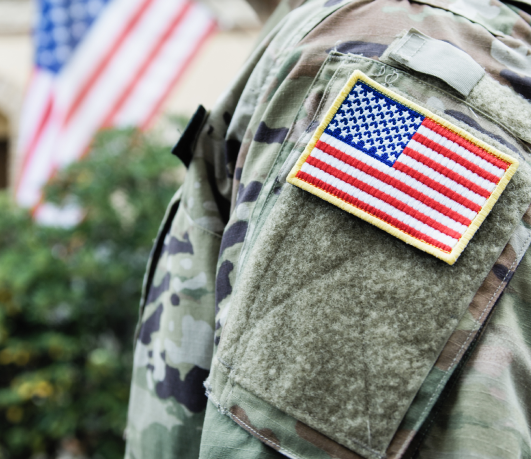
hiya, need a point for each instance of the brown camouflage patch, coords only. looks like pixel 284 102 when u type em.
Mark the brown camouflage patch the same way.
pixel 400 442
pixel 264 435
pixel 452 348
pixel 335 450
pixel 527 217
pixel 507 257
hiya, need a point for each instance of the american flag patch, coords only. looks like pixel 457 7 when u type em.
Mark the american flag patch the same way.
pixel 402 168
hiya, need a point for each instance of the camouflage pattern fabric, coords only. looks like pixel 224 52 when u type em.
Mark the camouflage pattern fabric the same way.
pixel 232 184
pixel 173 350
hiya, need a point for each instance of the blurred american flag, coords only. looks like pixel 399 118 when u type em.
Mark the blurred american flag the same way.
pixel 99 63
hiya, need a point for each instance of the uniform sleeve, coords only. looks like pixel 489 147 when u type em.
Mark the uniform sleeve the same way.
pixel 273 236
pixel 175 336
pixel 173 350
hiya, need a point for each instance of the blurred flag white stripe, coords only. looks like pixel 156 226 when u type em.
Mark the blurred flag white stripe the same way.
pixel 38 161
pixel 168 23
pixel 119 74
pixel 37 102
pixel 161 73
pixel 97 50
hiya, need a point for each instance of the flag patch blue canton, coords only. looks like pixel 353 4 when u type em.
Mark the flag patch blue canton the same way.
pixel 374 123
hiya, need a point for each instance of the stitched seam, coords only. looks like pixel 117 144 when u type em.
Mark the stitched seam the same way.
pixel 472 332
pixel 266 440
pixel 377 453
pixel 224 410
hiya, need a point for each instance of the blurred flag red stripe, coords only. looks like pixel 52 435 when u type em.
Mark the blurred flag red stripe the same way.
pixel 100 67
pixel 150 57
pixel 36 135
pixel 163 96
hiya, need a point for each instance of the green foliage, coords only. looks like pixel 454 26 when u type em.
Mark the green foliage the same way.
pixel 69 300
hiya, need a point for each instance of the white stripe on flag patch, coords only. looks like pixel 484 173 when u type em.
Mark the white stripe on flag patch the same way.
pixel 404 169
pixel 448 163
pixel 401 177
pixel 461 190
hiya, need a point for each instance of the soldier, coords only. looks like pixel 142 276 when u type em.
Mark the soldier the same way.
pixel 335 269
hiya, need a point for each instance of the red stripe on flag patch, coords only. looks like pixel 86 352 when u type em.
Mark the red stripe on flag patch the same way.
pixel 438 187
pixel 456 158
pixel 454 176
pixel 441 130
pixel 383 196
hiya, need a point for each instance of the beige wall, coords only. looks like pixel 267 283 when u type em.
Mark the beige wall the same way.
pixel 15 68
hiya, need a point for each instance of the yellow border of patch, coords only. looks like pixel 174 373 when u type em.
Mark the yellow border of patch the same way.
pixel 448 257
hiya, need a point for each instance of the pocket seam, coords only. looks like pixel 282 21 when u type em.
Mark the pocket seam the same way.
pixel 476 322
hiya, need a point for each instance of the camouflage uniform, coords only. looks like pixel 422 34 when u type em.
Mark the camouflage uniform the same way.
pixel 213 244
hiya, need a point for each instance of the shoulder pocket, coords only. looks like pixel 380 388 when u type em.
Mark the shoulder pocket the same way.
pixel 336 324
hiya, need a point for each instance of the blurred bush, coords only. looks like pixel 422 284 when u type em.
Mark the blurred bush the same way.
pixel 69 301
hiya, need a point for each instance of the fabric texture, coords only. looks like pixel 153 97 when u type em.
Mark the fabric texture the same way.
pixel 491 96
pixel 299 279
pixel 492 382
pixel 234 186
pixel 423 54
pixel 225 442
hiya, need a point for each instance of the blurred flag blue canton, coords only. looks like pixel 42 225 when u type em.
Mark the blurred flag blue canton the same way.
pixel 99 63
